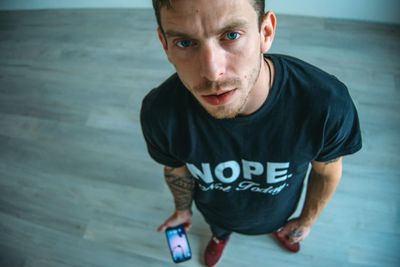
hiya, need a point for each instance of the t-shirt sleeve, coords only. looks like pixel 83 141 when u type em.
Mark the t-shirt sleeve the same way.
pixel 155 138
pixel 342 134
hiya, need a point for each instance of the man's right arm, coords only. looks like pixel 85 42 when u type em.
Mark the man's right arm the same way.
pixel 181 185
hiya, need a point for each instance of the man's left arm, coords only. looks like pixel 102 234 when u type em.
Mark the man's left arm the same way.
pixel 324 179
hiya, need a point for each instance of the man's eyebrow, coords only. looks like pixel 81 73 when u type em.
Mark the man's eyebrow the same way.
pixel 232 25
pixel 235 24
pixel 172 33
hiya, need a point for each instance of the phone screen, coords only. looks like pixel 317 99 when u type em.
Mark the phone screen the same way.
pixel 178 244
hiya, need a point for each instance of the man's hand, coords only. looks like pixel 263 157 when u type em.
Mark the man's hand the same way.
pixel 325 177
pixel 294 231
pixel 179 217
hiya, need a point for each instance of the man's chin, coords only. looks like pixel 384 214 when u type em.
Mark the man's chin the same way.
pixel 223 113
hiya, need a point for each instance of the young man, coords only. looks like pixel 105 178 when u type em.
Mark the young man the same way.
pixel 237 129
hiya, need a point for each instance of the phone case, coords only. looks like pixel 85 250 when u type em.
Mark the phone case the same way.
pixel 178 244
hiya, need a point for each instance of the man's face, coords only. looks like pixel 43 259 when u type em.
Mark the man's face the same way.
pixel 215 48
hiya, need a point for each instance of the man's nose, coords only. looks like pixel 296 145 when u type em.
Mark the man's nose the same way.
pixel 212 61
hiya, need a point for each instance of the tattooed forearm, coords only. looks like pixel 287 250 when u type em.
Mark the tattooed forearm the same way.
pixel 181 185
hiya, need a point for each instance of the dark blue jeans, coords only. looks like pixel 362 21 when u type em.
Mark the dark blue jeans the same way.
pixel 220 233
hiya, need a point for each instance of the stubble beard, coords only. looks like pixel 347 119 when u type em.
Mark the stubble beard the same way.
pixel 233 111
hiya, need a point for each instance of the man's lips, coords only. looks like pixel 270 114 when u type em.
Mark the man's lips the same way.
pixel 219 99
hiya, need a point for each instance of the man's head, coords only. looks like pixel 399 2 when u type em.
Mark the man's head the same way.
pixel 217 49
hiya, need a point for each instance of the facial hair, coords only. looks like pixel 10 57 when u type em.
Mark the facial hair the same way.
pixel 230 111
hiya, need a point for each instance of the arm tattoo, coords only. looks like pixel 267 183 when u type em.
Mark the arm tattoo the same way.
pixel 182 188
pixel 331 161
pixel 296 233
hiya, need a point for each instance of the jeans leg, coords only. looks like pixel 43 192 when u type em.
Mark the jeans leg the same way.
pixel 220 233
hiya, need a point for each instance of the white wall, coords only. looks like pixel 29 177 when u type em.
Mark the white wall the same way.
pixel 45 4
pixel 370 10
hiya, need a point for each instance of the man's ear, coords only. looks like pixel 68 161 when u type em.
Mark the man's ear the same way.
pixel 162 39
pixel 267 31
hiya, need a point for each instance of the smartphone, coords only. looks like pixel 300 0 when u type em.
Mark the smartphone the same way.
pixel 178 244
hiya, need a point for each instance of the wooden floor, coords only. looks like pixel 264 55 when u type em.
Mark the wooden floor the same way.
pixel 78 189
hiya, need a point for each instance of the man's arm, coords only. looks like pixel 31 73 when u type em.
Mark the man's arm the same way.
pixel 181 185
pixel 324 179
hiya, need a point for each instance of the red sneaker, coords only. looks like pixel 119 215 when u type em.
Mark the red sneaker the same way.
pixel 214 250
pixel 292 247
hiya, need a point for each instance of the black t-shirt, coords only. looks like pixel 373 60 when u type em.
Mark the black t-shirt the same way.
pixel 249 170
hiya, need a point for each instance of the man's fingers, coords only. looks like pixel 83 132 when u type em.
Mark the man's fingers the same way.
pixel 187 226
pixel 296 233
pixel 161 228
pixel 175 220
pixel 293 239
pixel 165 225
pixel 171 223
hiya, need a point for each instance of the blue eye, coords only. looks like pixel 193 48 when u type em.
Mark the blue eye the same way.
pixel 184 43
pixel 232 35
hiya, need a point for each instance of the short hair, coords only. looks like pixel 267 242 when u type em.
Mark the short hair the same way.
pixel 259 6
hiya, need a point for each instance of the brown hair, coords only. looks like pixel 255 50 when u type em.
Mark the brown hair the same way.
pixel 259 6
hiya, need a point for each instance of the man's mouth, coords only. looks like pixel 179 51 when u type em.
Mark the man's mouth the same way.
pixel 220 98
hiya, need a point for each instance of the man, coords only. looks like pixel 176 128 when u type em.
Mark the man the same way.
pixel 237 129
